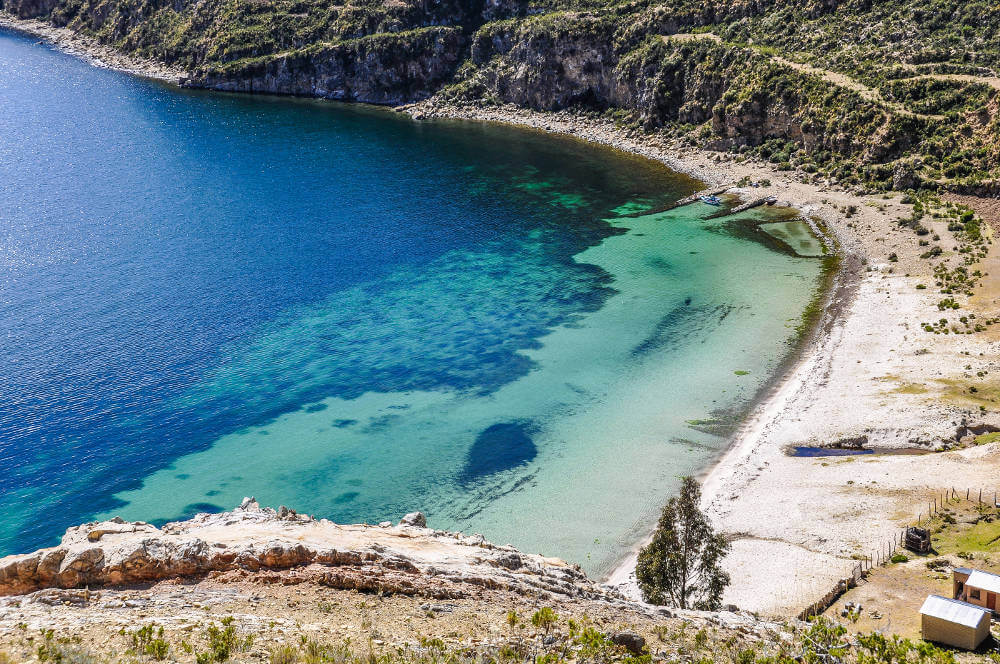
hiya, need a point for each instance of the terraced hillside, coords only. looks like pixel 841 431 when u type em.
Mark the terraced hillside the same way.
pixel 870 95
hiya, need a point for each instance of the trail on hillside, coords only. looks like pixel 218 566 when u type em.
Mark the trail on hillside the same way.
pixel 845 81
pixel 992 81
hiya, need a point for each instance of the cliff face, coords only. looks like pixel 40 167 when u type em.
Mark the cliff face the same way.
pixel 387 69
pixel 29 8
pixel 545 65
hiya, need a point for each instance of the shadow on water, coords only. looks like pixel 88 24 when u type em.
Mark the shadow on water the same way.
pixel 499 447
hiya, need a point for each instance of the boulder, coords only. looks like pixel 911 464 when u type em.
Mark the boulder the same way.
pixel 416 519
pixel 631 641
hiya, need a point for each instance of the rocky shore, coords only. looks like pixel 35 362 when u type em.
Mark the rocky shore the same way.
pixel 91 50
pixel 407 559
pixel 272 579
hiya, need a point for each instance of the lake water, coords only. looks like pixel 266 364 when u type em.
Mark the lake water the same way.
pixel 207 296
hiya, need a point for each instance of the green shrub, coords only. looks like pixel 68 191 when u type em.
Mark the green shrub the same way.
pixel 544 618
pixel 284 655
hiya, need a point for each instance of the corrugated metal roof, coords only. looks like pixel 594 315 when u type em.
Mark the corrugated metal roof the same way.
pixel 952 610
pixel 984 580
pixel 964 570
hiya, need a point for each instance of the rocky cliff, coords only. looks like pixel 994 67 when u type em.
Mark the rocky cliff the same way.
pixel 390 68
pixel 280 545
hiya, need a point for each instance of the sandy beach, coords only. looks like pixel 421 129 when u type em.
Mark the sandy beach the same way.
pixel 869 374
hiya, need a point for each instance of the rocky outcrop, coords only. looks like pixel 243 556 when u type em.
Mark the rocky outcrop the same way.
pixel 29 8
pixel 380 69
pixel 285 547
pixel 414 519
pixel 547 65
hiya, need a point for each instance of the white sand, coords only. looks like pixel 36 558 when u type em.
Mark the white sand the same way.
pixel 871 372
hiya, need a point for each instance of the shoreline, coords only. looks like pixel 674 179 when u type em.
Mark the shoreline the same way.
pixel 808 519
pixel 762 410
pixel 834 296
pixel 90 50
pixel 852 378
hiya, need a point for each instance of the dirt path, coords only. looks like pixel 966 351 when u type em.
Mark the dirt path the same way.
pixel 836 78
pixel 992 81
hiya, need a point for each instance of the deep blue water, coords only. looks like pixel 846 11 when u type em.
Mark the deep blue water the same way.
pixel 205 296
pixel 146 231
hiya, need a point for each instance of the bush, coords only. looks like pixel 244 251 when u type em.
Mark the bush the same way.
pixel 284 655
pixel 544 618
pixel 222 643
pixel 148 640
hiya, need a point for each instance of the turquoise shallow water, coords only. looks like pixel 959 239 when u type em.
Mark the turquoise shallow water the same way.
pixel 334 308
pixel 797 235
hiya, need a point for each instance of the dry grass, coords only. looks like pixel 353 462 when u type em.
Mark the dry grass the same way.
pixel 965 533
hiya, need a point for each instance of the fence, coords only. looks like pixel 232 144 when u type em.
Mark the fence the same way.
pixel 885 552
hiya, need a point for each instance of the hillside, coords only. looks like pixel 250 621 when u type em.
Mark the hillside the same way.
pixel 257 584
pixel 870 95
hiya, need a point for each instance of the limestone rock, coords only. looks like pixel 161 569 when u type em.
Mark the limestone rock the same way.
pixel 281 546
pixel 414 519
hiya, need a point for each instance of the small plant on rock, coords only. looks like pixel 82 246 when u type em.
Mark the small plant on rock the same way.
pixel 544 618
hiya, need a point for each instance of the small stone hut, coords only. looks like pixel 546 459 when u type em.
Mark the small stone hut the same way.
pixel 953 622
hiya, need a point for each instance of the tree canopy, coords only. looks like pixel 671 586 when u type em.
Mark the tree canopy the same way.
pixel 681 565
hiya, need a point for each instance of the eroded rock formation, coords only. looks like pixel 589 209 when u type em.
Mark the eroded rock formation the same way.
pixel 282 546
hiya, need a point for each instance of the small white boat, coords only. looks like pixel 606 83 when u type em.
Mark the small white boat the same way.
pixel 711 200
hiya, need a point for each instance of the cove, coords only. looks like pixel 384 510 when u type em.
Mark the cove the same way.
pixel 207 296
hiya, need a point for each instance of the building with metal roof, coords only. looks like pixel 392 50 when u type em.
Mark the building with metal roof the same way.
pixel 953 622
pixel 976 587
